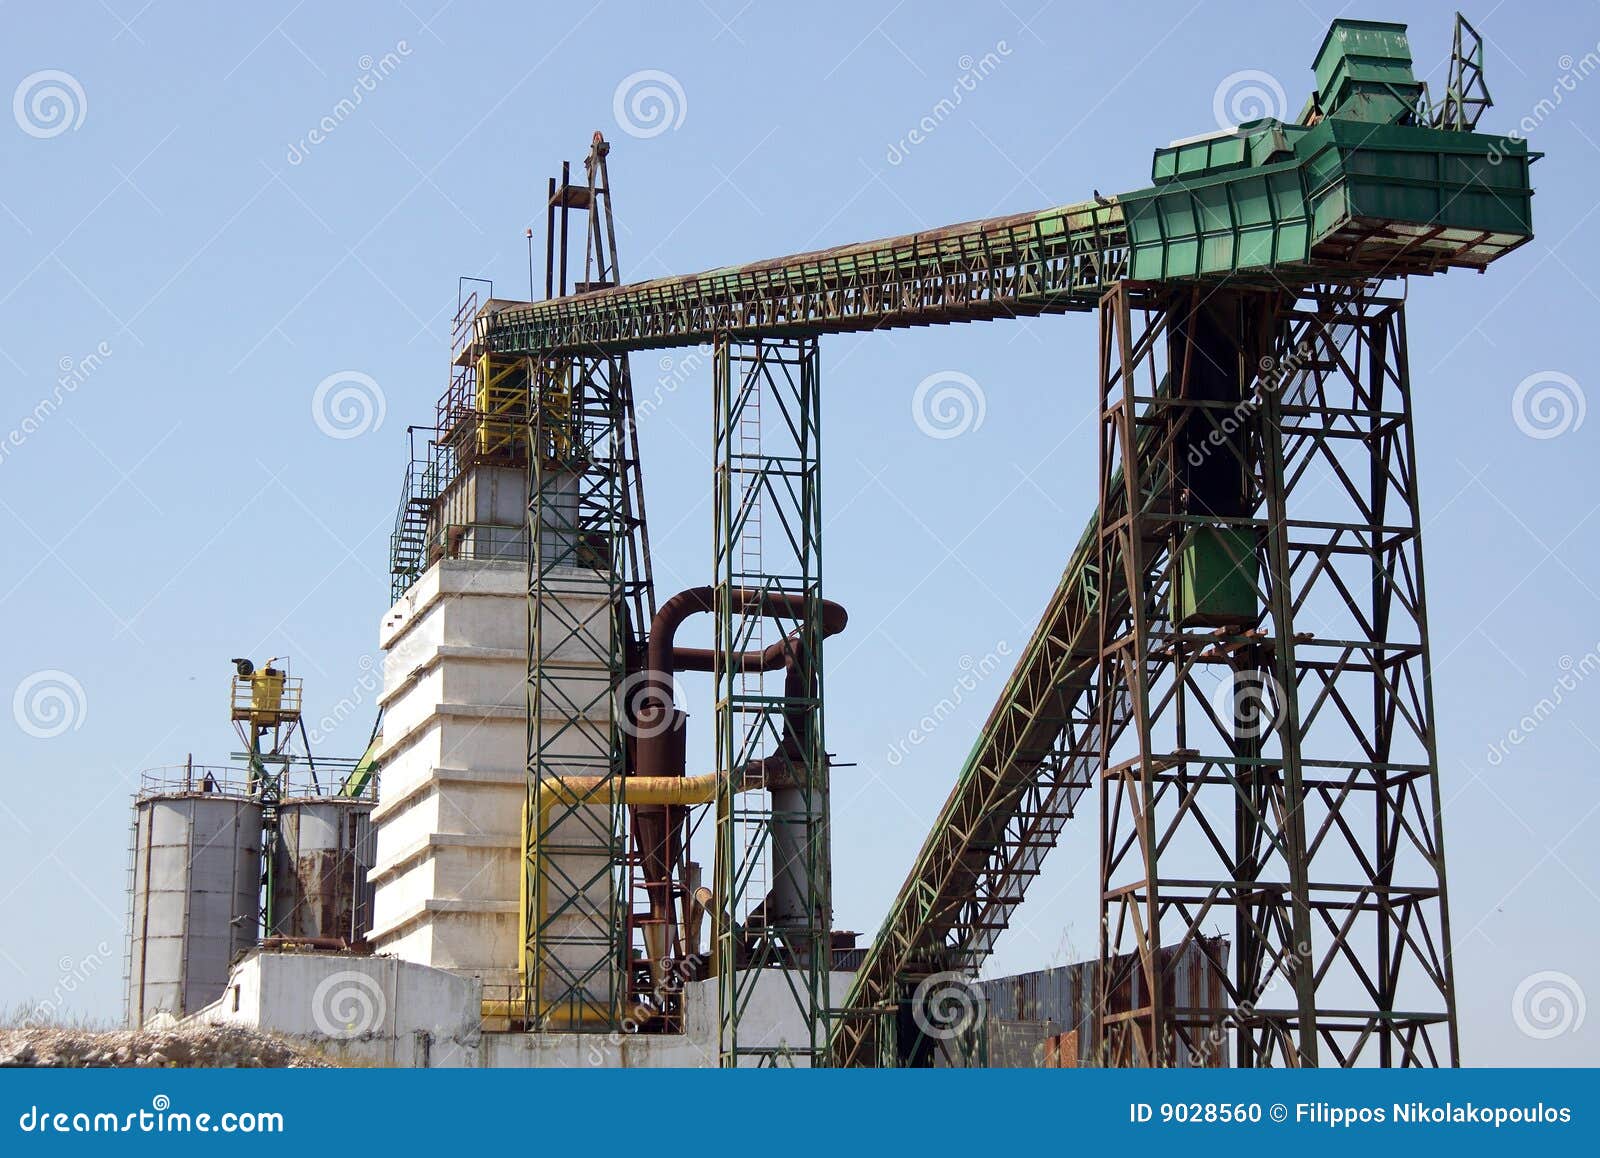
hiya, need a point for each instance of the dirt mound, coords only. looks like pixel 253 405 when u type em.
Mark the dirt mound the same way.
pixel 188 1046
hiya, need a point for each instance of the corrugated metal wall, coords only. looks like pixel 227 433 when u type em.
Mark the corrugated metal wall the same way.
pixel 1023 1012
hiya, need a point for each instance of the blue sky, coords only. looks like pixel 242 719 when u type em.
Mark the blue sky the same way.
pixel 182 250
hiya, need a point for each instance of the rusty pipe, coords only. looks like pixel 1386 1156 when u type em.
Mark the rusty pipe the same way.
pixel 663 657
pixel 659 747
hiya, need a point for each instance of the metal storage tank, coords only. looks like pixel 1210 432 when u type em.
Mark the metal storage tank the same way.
pixel 196 893
pixel 320 889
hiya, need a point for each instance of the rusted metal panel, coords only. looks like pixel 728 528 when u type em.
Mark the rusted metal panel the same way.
pixel 1059 1003
pixel 320 887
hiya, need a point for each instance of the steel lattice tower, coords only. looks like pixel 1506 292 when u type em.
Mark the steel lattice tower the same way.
pixel 1277 778
pixel 573 970
pixel 773 920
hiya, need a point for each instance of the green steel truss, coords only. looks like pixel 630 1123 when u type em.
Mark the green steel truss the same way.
pixel 772 892
pixel 1030 263
pixel 575 884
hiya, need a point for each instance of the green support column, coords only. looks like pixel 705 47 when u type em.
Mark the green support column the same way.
pixel 773 909
pixel 574 902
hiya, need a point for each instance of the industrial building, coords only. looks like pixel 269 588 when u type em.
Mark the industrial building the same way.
pixel 522 870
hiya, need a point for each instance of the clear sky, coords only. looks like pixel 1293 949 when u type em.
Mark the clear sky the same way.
pixel 177 245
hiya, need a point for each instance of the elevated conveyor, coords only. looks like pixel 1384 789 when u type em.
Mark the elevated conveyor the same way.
pixel 1368 185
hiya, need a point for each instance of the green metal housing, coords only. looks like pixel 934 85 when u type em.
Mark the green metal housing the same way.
pixel 1214 578
pixel 1388 198
pixel 1364 72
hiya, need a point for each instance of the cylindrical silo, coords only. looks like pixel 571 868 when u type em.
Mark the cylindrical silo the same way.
pixel 196 896
pixel 320 865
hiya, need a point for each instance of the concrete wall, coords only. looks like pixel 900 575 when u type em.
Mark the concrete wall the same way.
pixel 454 742
pixel 381 1011
pixel 449 828
pixel 374 1011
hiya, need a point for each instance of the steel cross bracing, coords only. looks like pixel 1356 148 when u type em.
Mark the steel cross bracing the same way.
pixel 590 600
pixel 574 890
pixel 773 925
pixel 1277 776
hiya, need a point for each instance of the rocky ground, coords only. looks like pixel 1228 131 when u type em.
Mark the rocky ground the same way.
pixel 204 1046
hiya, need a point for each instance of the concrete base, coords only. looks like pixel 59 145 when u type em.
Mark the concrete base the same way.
pixel 379 1011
